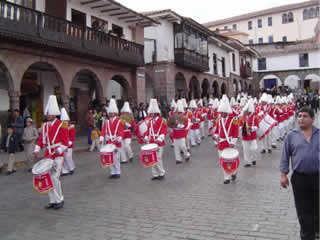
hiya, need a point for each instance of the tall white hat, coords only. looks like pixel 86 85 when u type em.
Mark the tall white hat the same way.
pixel 232 101
pixel 200 103
pixel 264 98
pixel 113 106
pixel 153 106
pixel 192 104
pixel 224 106
pixel 278 99
pixel 64 115
pixel 180 107
pixel 243 101
pixel 126 108
pixel 52 107
pixel 255 101
pixel 216 103
pixel 250 106
pixel 185 104
pixel 211 101
pixel 173 104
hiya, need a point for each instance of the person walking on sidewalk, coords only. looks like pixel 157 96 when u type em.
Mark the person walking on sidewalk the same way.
pixel 10 145
pixel 30 135
pixel 302 148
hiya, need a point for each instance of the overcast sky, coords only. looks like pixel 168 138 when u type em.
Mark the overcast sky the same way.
pixel 206 10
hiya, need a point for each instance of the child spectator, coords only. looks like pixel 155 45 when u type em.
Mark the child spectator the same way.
pixel 10 145
pixel 95 134
pixel 30 135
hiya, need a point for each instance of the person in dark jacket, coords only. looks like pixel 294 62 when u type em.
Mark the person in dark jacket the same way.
pixel 18 128
pixel 10 145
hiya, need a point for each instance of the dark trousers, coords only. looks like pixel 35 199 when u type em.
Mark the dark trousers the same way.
pixel 306 196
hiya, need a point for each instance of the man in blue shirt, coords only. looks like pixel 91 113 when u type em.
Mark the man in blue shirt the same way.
pixel 302 147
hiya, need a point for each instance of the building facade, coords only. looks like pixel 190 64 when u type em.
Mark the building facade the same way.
pixel 287 23
pixel 76 49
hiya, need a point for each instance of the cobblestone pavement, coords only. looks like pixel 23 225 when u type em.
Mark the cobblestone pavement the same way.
pixel 191 203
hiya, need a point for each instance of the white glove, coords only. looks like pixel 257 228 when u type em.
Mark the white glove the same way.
pixel 180 126
pixel 36 149
pixel 146 139
pixel 197 119
pixel 118 139
pixel 233 141
pixel 254 129
pixel 70 143
pixel 107 137
pixel 260 114
pixel 128 125
pixel 101 139
pixel 59 150
pixel 160 138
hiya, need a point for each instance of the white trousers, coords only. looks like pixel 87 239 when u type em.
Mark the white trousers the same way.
pixel 115 168
pixel 95 143
pixel 266 142
pixel 202 129
pixel 210 124
pixel 195 137
pixel 158 170
pixel 180 145
pixel 248 153
pixel 188 140
pixel 226 176
pixel 55 195
pixel 68 164
pixel 126 151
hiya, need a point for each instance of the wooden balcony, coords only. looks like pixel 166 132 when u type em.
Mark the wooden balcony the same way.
pixel 190 59
pixel 26 25
pixel 245 71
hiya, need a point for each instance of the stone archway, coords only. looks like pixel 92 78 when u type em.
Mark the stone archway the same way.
pixel 205 86
pixel 215 89
pixel 314 81
pixel 180 86
pixel 194 88
pixel 292 81
pixel 118 87
pixel 39 81
pixel 223 89
pixel 269 81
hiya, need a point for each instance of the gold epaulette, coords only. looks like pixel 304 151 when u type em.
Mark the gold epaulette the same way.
pixel 122 121
pixel 71 126
pixel 185 118
pixel 65 125
pixel 235 121
pixel 164 121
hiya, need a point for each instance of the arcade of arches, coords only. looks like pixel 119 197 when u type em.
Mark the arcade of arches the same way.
pixel 27 79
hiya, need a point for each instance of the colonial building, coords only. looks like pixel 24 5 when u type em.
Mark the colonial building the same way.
pixel 293 65
pixel 185 59
pixel 293 22
pixel 75 49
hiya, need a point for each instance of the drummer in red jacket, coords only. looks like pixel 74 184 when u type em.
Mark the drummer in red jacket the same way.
pixel 156 133
pixel 226 133
pixel 57 133
pixel 249 126
pixel 112 133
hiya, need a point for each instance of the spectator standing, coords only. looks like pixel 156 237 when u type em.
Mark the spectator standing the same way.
pixel 90 123
pixel 10 145
pixel 302 148
pixel 141 112
pixel 30 135
pixel 18 128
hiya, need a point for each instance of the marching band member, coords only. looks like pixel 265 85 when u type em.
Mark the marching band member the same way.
pixel 129 125
pixel 203 115
pixel 249 126
pixel 179 135
pixel 262 110
pixel 226 133
pixel 156 133
pixel 54 137
pixel 211 115
pixel 68 164
pixel 188 114
pixel 112 133
pixel 195 135
pixel 173 111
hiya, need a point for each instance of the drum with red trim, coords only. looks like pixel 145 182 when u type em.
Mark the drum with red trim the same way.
pixel 42 181
pixel 265 126
pixel 229 160
pixel 149 155
pixel 107 155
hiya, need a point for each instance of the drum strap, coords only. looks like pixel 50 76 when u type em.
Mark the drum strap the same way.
pixel 54 138
pixel 224 128
pixel 112 137
pixel 152 130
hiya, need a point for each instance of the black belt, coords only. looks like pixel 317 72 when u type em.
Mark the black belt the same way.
pixel 307 174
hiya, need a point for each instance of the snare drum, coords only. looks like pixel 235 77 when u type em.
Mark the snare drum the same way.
pixel 42 181
pixel 229 160
pixel 265 126
pixel 107 155
pixel 148 155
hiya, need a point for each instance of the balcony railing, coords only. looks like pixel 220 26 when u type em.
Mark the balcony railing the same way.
pixel 245 71
pixel 191 59
pixel 25 24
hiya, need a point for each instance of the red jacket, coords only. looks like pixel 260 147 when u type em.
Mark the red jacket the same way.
pixel 251 121
pixel 231 130
pixel 72 135
pixel 116 133
pixel 128 130
pixel 179 133
pixel 196 118
pixel 55 135
pixel 157 128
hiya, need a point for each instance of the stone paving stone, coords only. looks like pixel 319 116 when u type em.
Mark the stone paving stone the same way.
pixel 192 203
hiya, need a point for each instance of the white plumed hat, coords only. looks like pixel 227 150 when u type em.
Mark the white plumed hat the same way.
pixel 113 106
pixel 250 106
pixel 192 104
pixel 211 101
pixel 126 108
pixel 216 103
pixel 233 101
pixel 173 104
pixel 264 98
pixel 180 107
pixel 224 105
pixel 153 106
pixel 52 107
pixel 200 103
pixel 64 115
pixel 184 102
pixel 243 101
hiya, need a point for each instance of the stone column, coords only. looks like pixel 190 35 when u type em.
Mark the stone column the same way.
pixel 66 102
pixel 140 86
pixel 102 100
pixel 14 98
